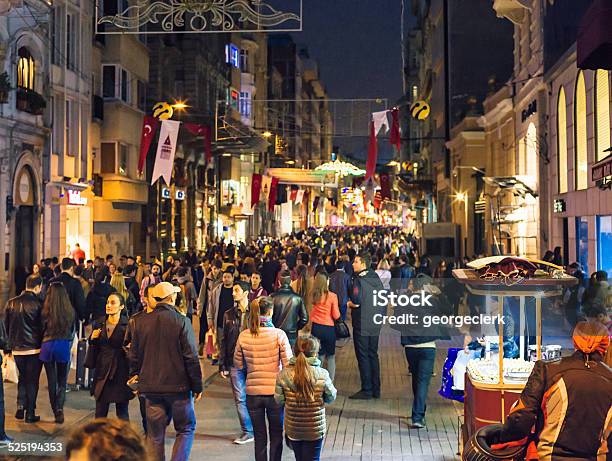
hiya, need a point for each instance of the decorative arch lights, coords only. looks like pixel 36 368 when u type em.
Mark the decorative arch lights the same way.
pixel 26 69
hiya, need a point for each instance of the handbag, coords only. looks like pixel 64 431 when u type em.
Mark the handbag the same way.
pixel 342 330
pixel 9 369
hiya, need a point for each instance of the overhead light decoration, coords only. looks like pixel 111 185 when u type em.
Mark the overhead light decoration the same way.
pixel 184 16
pixel 341 168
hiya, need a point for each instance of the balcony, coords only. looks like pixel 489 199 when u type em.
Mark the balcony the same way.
pixel 122 189
pixel 30 101
pixel 97 108
pixel 514 10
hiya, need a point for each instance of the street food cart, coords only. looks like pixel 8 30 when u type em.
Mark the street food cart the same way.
pixel 494 384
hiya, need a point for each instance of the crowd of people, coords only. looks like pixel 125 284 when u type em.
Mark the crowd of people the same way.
pixel 268 314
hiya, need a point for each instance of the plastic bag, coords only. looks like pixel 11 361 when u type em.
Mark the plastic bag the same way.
pixel 210 343
pixel 9 369
pixel 74 352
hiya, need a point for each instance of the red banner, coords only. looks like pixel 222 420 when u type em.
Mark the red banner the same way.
pixel 149 129
pixel 315 203
pixel 273 190
pixel 202 130
pixel 394 137
pixel 372 153
pixel 255 189
pixel 293 195
pixel 385 186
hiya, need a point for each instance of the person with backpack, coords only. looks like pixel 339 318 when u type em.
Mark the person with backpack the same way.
pixel 304 388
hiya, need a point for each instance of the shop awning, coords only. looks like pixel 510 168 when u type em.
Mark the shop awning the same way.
pixel 299 177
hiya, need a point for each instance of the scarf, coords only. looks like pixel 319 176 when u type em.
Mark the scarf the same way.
pixel 265 321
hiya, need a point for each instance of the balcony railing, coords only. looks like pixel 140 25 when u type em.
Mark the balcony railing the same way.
pixel 30 101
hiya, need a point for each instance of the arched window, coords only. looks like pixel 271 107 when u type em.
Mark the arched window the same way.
pixel 26 69
pixel 562 142
pixel 580 134
pixel 602 113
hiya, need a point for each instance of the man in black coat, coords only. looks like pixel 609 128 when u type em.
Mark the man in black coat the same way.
pixel 129 274
pixel 24 331
pixel 290 314
pixel 269 272
pixel 365 331
pixel 163 354
pixel 74 289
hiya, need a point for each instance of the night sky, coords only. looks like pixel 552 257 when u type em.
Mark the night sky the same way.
pixel 357 45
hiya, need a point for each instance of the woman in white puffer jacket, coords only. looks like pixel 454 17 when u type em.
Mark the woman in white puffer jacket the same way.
pixel 263 350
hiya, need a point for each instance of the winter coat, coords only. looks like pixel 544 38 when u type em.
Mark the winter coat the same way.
pixel 23 322
pixel 339 282
pixel 290 314
pixel 362 294
pixel 262 356
pixel 234 323
pixel 75 294
pixel 305 420
pixel 109 361
pixel 96 300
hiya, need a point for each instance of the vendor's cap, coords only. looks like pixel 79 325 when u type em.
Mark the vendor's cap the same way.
pixel 591 336
pixel 163 290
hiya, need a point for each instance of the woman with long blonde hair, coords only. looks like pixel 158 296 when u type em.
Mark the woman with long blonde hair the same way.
pixel 325 312
pixel 117 281
pixel 304 388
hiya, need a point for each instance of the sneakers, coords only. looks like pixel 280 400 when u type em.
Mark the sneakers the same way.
pixel 418 425
pixel 244 438
pixel 20 413
pixel 5 441
pixel 361 395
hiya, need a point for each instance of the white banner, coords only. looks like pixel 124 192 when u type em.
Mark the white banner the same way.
pixel 299 197
pixel 380 120
pixel 166 148
pixel 266 185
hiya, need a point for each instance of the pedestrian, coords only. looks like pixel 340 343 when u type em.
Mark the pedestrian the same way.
pixel 78 254
pixel 105 439
pixel 24 332
pixel 74 290
pixel 235 321
pixel 339 282
pixel 384 273
pixel 263 350
pixel 129 274
pixel 117 281
pixel 290 314
pixel 58 332
pixel 183 279
pixel 5 440
pixel 167 375
pixel 304 388
pixel 96 299
pixel 324 313
pixel 256 290
pixel 152 279
pixel 269 271
pixel 366 332
pixel 107 357
pixel 221 300
pixel 79 274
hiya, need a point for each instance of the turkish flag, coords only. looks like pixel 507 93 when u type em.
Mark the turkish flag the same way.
pixel 255 189
pixel 385 186
pixel 394 137
pixel 293 195
pixel 272 197
pixel 372 153
pixel 149 129
pixel 202 130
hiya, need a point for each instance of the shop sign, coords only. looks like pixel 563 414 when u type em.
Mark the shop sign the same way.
pixel 180 194
pixel 559 206
pixel 532 108
pixel 75 198
pixel 166 193
pixel 601 173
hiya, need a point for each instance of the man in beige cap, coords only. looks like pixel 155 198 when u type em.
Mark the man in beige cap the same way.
pixel 163 354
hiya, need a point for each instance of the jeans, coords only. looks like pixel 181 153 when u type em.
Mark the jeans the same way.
pixel 2 429
pixel 120 407
pixel 238 379
pixel 57 378
pixel 366 351
pixel 160 410
pixel 142 404
pixel 420 363
pixel 29 368
pixel 307 450
pixel 260 407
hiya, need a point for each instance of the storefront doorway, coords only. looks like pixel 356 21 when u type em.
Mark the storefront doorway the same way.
pixel 604 244
pixel 25 199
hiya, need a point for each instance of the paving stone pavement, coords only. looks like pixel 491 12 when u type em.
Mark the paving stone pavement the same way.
pixel 357 430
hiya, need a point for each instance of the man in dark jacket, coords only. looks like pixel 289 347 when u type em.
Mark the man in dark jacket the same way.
pixel 339 282
pixel 163 354
pixel 365 331
pixel 269 271
pixel 97 296
pixel 290 314
pixel 24 330
pixel 569 401
pixel 129 273
pixel 74 289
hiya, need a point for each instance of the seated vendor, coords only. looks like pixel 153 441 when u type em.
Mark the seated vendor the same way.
pixel 568 402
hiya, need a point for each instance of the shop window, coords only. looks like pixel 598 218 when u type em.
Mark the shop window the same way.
pixel 141 89
pixel 562 142
pixel 582 242
pixel 604 244
pixel 602 114
pixel 115 83
pixel 108 158
pixel 26 70
pixel 124 152
pixel 580 134
pixel 244 60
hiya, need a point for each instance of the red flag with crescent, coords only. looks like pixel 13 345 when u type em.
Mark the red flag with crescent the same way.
pixel 273 191
pixel 203 131
pixel 149 129
pixel 255 189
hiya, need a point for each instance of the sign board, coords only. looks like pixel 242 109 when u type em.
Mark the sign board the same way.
pixel 179 194
pixel 75 198
pixel 165 192
pixel 559 206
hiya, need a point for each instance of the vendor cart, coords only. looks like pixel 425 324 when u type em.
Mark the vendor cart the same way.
pixel 489 398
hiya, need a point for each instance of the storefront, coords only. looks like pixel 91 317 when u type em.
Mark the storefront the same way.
pixel 78 221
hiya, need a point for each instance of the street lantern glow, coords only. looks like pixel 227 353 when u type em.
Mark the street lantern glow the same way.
pixel 341 168
pixel 266 134
pixel 460 196
pixel 180 105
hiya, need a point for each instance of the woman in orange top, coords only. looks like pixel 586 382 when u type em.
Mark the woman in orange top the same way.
pixel 324 311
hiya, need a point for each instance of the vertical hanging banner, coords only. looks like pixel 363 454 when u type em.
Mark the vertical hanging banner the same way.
pixel 266 184
pixel 315 203
pixel 202 131
pixel 255 189
pixel 380 120
pixel 293 194
pixel 385 186
pixel 299 196
pixel 272 197
pixel 149 129
pixel 166 148
pixel 395 136
pixel 372 153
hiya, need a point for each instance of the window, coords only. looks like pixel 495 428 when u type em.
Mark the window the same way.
pixel 244 60
pixel 56 34
pixel 125 86
pixel 580 134
pixel 562 142
pixel 604 244
pixel 245 104
pixel 108 160
pixel 115 82
pixel 602 114
pixel 108 81
pixel 141 89
pixel 582 242
pixel 26 69
pixel 67 126
pixel 124 152
pixel 70 42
